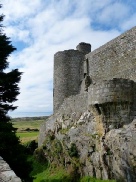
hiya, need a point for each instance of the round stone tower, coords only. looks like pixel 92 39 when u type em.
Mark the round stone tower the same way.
pixel 68 73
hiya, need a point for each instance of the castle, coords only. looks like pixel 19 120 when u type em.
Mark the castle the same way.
pixel 103 78
pixel 94 110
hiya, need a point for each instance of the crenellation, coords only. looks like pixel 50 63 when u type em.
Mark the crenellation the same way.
pixel 84 47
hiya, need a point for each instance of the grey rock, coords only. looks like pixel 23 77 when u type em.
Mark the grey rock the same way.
pixel 6 174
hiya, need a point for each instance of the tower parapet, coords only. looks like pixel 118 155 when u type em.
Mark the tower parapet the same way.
pixel 84 47
pixel 114 99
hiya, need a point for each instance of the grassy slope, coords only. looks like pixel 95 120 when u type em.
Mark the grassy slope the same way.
pixel 46 173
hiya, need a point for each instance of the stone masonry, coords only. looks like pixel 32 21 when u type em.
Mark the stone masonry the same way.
pixel 75 70
pixel 115 59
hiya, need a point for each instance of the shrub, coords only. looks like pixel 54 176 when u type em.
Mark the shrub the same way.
pixel 40 155
pixel 31 146
pixel 73 152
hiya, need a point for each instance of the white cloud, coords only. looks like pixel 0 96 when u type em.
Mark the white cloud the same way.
pixel 22 9
pixel 51 26
pixel 18 34
pixel 114 13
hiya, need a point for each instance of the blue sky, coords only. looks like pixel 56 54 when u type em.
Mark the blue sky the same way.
pixel 39 28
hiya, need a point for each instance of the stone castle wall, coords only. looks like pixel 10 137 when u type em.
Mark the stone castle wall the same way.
pixel 102 80
pixel 116 90
pixel 114 99
pixel 74 104
pixel 115 59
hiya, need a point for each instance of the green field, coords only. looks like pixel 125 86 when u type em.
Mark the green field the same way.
pixel 28 122
pixel 27 136
pixel 26 128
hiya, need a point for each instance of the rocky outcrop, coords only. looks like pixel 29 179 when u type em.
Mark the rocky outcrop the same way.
pixel 6 174
pixel 122 147
pixel 81 142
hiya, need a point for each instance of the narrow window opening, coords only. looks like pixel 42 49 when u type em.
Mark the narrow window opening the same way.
pixel 84 75
pixel 87 66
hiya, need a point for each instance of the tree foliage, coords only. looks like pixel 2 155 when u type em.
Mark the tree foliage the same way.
pixel 10 147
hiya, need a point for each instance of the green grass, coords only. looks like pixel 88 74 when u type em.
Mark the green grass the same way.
pixel 34 124
pixel 48 175
pixel 90 179
pixel 23 124
pixel 27 136
pixel 42 172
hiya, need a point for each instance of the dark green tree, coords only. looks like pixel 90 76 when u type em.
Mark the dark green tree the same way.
pixel 10 147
